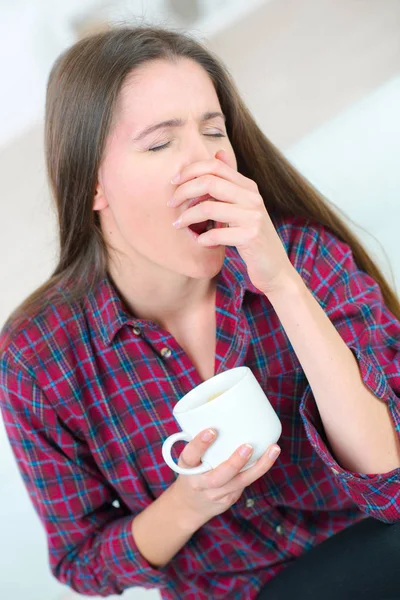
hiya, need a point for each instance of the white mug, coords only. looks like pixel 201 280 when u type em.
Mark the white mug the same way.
pixel 234 404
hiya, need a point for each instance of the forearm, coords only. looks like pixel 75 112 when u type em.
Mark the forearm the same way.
pixel 358 425
pixel 162 529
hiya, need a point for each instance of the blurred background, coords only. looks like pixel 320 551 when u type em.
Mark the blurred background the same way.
pixel 321 77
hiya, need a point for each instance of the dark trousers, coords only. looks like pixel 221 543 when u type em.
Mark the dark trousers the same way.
pixel 362 562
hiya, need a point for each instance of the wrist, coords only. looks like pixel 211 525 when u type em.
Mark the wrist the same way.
pixel 188 520
pixel 289 283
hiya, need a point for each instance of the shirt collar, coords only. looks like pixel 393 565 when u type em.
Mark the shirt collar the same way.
pixel 106 311
pixel 108 314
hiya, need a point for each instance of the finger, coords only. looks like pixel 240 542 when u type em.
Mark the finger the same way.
pixel 262 466
pixel 227 236
pixel 220 189
pixel 194 450
pixel 215 211
pixel 227 470
pixel 216 167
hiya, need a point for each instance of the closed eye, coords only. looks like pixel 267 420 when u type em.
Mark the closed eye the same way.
pixel 157 148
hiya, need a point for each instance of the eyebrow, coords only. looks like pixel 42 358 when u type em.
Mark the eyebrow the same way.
pixel 176 123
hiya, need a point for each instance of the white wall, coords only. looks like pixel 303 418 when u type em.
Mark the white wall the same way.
pixel 354 161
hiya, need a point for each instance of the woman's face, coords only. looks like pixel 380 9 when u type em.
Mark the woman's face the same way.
pixel 134 183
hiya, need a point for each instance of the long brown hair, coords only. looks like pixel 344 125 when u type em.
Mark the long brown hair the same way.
pixel 82 92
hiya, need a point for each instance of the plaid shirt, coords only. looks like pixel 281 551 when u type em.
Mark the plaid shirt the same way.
pixel 87 393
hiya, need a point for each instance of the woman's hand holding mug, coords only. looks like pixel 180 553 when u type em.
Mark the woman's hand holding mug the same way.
pixel 231 428
pixel 209 494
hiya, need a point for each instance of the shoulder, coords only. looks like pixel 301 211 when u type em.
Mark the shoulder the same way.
pixel 300 233
pixel 309 243
pixel 31 340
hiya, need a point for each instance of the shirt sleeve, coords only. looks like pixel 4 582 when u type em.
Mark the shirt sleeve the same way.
pixel 91 547
pixel 354 303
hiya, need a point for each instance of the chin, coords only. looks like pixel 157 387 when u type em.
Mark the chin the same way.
pixel 206 265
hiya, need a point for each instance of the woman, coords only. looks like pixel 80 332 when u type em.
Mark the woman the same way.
pixel 190 246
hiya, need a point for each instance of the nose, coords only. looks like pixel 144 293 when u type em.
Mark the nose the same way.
pixel 198 147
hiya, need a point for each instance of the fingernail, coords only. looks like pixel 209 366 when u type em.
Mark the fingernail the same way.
pixel 274 452
pixel 246 450
pixel 208 435
pixel 176 223
pixel 176 178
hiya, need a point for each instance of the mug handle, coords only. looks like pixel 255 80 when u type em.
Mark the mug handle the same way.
pixel 166 452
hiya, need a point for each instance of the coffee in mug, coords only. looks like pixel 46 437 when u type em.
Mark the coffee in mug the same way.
pixel 214 396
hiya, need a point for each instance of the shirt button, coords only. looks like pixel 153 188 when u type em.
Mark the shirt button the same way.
pixel 166 352
pixel 116 503
pixel 334 471
pixel 279 529
pixel 249 502
pixel 136 330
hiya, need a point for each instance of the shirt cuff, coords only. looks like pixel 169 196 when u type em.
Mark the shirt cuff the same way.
pixel 120 553
pixel 374 492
